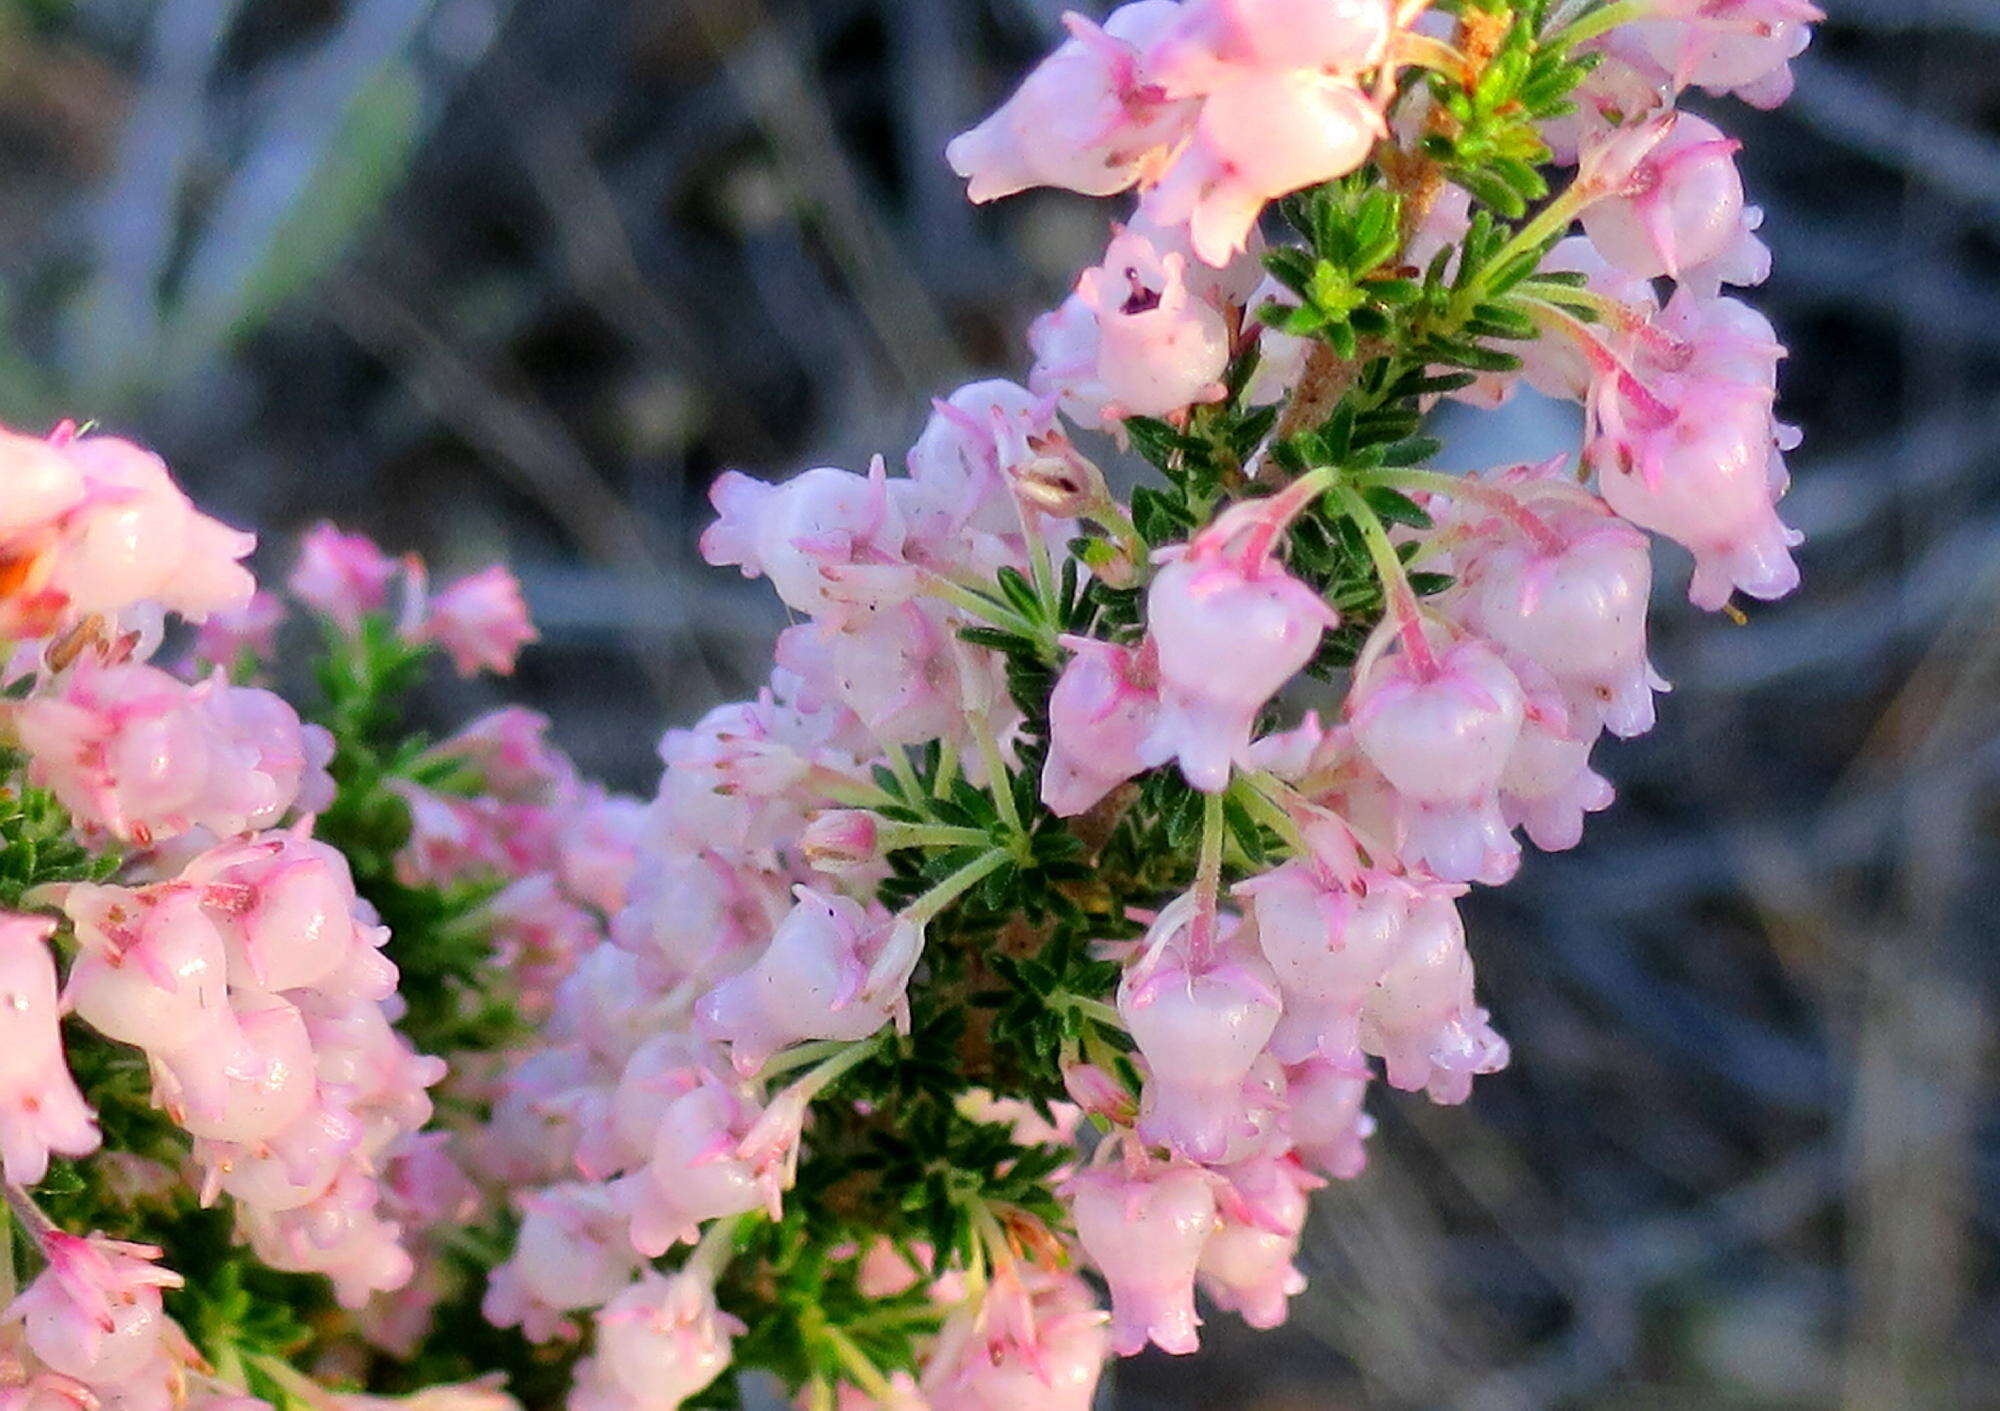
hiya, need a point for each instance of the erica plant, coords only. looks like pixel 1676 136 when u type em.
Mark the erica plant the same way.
pixel 1038 932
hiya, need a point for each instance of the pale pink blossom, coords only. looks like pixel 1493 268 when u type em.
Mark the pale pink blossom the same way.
pixel 1101 711
pixel 481 621
pixel 40 1108
pixel 1441 733
pixel 1246 1266
pixel 803 533
pixel 1037 1339
pixel 1144 1228
pixel 663 1339
pixel 343 576
pixel 1679 207
pixel 570 1253
pixel 1201 1015
pixel 94 1312
pixel 1262 134
pixel 831 971
pixel 1231 627
pixel 135 753
pixel 1088 118
pixel 1133 340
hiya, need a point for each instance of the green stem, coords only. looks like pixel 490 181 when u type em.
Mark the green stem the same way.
pixel 1402 598
pixel 891 836
pixel 999 782
pixel 1207 881
pixel 1273 814
pixel 947 770
pixel 926 907
pixel 994 613
pixel 855 1363
pixel 899 765
pixel 804 1056
pixel 1592 23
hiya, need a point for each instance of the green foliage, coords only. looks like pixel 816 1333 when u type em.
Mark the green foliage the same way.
pixel 1492 144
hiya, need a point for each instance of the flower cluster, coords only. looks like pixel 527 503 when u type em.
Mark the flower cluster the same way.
pixel 1040 927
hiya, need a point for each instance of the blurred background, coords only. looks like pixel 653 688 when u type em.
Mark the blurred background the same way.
pixel 518 277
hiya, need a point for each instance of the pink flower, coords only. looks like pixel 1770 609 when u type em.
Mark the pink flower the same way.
pixel 663 1339
pixel 1569 597
pixel 1421 1019
pixel 1680 206
pixel 1144 1228
pixel 1086 119
pixel 151 968
pixel 94 1312
pixel 1200 1021
pixel 510 748
pixel 1231 627
pixel 831 971
pixel 1246 1266
pixel 1102 709
pixel 570 1253
pixel 40 1108
pixel 1216 38
pixel 130 537
pixel 1261 135
pixel 1549 786
pixel 1725 46
pixel 1037 1339
pixel 135 753
pixel 481 621
pixel 255 1079
pixel 344 576
pixel 1690 450
pixel 230 634
pixel 804 533
pixel 597 851
pixel 1134 340
pixel 1328 1127
pixel 1328 939
pixel 285 906
pixel 1442 737
pixel 694 1170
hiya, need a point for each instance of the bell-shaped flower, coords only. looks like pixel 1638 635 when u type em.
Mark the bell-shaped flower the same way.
pixel 1743 47
pixel 257 1077
pixel 1441 733
pixel 41 1109
pixel 94 1312
pixel 1134 340
pixel 1327 939
pixel 1690 450
pixel 1036 1339
pixel 1261 135
pixel 793 533
pixel 1144 1228
pixel 695 1171
pixel 663 1339
pixel 570 1253
pixel 288 914
pixel 1569 597
pixel 825 975
pixel 1679 206
pixel 1086 119
pixel 1549 786
pixel 1218 40
pixel 1230 627
pixel 1200 1015
pixel 1326 1120
pixel 1246 1266
pixel 1422 1020
pixel 342 576
pixel 481 621
pixel 1100 712
pixel 151 968
pixel 142 756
